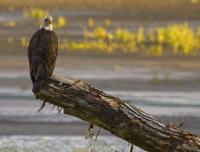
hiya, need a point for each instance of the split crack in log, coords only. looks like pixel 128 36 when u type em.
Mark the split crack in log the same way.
pixel 79 99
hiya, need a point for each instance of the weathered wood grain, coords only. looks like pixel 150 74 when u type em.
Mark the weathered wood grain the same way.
pixel 83 101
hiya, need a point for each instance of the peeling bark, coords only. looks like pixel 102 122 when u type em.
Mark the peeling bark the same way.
pixel 83 101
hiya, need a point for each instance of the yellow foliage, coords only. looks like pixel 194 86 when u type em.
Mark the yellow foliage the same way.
pixel 177 38
pixel 155 50
pixel 152 37
pixel 90 23
pixel 107 23
pixel 24 41
pixel 110 36
pixel 161 35
pixel 85 45
pixel 140 35
pixel 131 46
pixel 34 12
pixel 123 35
pixel 61 22
pixel 87 34
pixel 100 33
pixel 181 38
pixel 10 24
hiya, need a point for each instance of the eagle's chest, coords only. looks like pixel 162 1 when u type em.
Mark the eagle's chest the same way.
pixel 45 43
pixel 46 39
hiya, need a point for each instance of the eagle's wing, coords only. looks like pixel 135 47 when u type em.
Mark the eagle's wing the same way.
pixel 52 53
pixel 32 55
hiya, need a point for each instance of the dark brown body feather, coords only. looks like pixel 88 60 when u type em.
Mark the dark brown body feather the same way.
pixel 42 53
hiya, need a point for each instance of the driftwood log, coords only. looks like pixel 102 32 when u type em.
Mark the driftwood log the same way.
pixel 79 99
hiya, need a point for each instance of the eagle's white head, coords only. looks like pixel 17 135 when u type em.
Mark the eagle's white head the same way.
pixel 47 23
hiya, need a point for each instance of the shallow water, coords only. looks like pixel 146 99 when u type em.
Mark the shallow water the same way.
pixel 132 84
pixel 187 102
pixel 63 144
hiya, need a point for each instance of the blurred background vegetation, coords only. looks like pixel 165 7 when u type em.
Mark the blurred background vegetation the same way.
pixel 139 27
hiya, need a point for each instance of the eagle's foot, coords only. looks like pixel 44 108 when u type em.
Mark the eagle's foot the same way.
pixel 37 86
pixel 35 90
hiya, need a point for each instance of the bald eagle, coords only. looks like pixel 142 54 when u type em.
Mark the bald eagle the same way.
pixel 42 53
